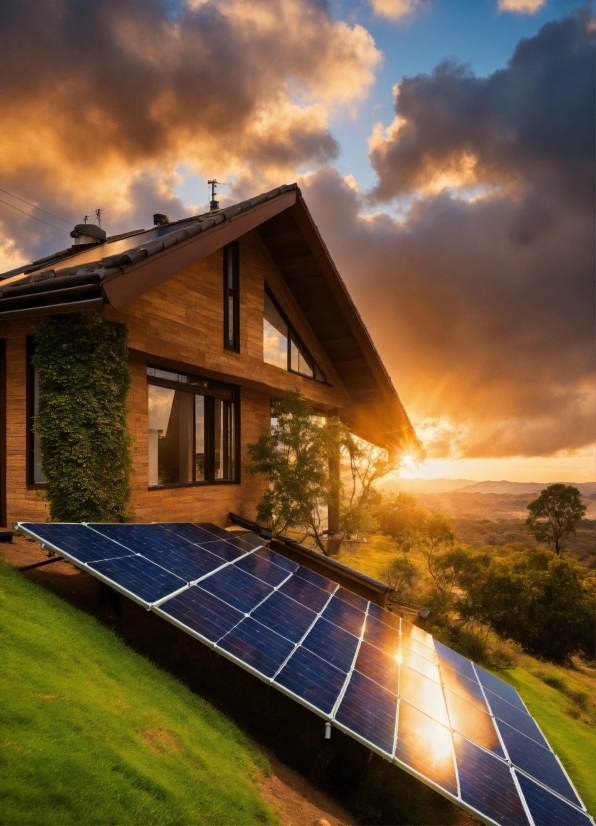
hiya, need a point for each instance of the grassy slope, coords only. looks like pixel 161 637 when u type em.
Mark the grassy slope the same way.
pixel 93 733
pixel 573 740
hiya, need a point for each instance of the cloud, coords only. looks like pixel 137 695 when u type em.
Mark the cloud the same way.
pixel 96 99
pixel 521 6
pixel 394 9
pixel 482 307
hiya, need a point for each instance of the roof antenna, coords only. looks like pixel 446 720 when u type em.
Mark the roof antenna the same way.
pixel 98 217
pixel 85 219
pixel 213 204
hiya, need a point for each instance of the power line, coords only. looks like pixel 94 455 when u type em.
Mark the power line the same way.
pixel 28 214
pixel 34 207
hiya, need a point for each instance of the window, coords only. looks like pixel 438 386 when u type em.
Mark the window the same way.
pixel 231 298
pixel 192 430
pixel 35 475
pixel 281 344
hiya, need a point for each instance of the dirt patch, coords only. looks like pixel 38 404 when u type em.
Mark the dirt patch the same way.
pixel 48 696
pixel 159 739
pixel 297 802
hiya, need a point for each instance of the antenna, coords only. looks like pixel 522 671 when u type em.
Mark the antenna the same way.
pixel 213 204
pixel 98 217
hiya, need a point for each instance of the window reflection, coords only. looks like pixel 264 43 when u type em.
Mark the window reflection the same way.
pixel 38 477
pixel 275 336
pixel 224 440
pixel 171 426
pixel 281 344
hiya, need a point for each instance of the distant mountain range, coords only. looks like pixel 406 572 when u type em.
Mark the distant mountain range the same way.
pixel 469 486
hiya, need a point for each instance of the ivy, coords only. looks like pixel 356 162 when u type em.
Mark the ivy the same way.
pixel 82 364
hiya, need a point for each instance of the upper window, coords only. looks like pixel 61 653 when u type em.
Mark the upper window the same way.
pixel 192 430
pixel 231 297
pixel 35 475
pixel 282 346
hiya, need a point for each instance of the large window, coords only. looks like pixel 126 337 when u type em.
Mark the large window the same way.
pixel 35 475
pixel 231 297
pixel 193 430
pixel 282 346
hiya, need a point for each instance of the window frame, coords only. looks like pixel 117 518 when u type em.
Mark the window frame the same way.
pixel 210 390
pixel 231 253
pixel 294 337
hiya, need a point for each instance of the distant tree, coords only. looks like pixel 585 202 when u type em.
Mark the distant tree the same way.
pixel 402 518
pixel 555 515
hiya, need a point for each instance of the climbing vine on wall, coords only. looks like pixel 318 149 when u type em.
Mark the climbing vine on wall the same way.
pixel 82 364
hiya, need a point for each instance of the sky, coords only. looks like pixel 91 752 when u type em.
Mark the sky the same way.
pixel 445 149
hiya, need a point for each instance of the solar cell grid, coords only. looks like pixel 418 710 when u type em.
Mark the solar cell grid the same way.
pixel 332 644
pixel 499 687
pixel 257 646
pixel 306 594
pixel 470 690
pixel 382 636
pixel 316 579
pixel 511 715
pixel 144 581
pixel 224 549
pixel 276 559
pixel 370 711
pixel 418 663
pixel 473 723
pixel 311 679
pixel 536 761
pixel 455 661
pixel 77 541
pixel 547 809
pixel 423 693
pixel 386 617
pixel 352 599
pixel 262 569
pixel 188 531
pixel 237 588
pixel 487 785
pixel 285 616
pixel 202 613
pixel 378 666
pixel 345 615
pixel 425 745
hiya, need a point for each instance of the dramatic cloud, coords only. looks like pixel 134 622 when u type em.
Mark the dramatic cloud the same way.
pixel 394 9
pixel 482 300
pixel 97 95
pixel 521 6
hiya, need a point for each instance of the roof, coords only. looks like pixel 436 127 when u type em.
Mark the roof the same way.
pixel 129 264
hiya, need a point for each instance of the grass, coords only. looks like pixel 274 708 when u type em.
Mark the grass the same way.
pixel 560 699
pixel 93 733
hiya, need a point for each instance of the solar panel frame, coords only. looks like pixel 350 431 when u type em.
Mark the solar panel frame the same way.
pixel 379 615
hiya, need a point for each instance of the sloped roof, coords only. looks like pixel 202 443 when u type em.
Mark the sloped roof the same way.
pixel 132 263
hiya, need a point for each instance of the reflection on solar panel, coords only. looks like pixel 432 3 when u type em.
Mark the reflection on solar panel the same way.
pixel 380 679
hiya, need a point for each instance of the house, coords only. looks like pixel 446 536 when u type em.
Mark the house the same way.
pixel 226 312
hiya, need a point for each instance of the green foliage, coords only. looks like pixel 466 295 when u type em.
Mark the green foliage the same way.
pixel 294 459
pixel 91 732
pixel 363 464
pixel 402 576
pixel 543 602
pixel 401 517
pixel 82 362
pixel 556 514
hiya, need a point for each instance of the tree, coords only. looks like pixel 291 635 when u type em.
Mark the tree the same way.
pixel 294 459
pixel 555 515
pixel 402 518
pixel 363 464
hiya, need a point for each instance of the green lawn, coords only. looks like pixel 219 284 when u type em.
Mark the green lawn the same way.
pixel 91 732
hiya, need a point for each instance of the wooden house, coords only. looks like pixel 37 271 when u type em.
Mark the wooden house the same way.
pixel 226 312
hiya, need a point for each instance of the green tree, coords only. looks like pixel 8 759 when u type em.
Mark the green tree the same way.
pixel 401 517
pixel 294 459
pixel 555 515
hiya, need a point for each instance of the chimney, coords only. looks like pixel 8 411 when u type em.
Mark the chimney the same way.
pixel 160 220
pixel 87 234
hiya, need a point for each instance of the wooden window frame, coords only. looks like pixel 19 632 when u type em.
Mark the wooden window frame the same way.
pixel 30 397
pixel 210 391
pixel 231 252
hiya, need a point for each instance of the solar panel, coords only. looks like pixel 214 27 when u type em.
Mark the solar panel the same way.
pixel 380 679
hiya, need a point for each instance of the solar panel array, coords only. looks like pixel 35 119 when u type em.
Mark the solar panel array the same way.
pixel 380 679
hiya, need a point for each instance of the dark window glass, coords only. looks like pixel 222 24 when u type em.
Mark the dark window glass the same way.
pixel 231 297
pixel 192 430
pixel 281 344
pixel 35 474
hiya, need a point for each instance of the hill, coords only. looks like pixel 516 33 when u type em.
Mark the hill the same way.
pixel 94 733
pixel 586 488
